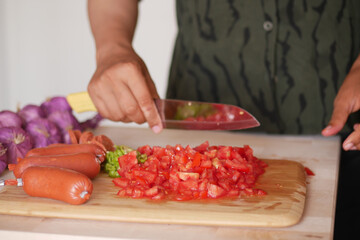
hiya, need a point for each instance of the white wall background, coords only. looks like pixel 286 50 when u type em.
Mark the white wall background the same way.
pixel 46 47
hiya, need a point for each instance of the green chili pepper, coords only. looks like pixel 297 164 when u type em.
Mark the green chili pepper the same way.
pixel 111 163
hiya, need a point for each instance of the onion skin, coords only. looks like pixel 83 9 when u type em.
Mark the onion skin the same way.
pixel 43 132
pixel 45 124
pixel 31 112
pixel 55 104
pixel 65 121
pixel 17 142
pixel 91 123
pixel 10 119
pixel 3 158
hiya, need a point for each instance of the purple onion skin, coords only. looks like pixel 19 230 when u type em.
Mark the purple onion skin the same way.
pixel 10 119
pixel 65 121
pixel 3 158
pixel 43 132
pixel 31 112
pixel 55 104
pixel 91 123
pixel 3 166
pixel 17 142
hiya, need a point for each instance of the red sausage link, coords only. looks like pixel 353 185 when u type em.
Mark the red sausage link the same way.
pixel 57 183
pixel 106 142
pixel 74 136
pixel 68 149
pixel 86 137
pixel 85 163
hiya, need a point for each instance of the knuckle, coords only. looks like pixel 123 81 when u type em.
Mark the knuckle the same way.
pixel 146 105
pixel 131 110
pixel 92 88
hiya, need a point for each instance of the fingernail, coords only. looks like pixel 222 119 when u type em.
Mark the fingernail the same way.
pixel 348 146
pixel 325 130
pixel 156 129
pixel 328 128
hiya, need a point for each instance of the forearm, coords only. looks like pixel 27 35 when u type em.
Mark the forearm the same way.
pixel 112 23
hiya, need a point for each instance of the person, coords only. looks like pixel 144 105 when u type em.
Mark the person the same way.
pixel 294 65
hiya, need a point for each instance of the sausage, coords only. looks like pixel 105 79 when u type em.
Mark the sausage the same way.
pixel 61 148
pixel 74 136
pixel 85 163
pixel 57 183
pixel 86 137
pixel 106 142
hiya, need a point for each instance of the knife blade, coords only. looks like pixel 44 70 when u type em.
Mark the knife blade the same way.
pixel 181 114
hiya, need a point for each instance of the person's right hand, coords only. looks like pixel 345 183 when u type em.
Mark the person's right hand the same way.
pixel 122 89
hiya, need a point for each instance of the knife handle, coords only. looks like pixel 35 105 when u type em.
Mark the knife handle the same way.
pixel 81 102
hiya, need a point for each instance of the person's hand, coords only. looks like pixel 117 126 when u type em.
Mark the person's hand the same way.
pixel 346 102
pixel 122 89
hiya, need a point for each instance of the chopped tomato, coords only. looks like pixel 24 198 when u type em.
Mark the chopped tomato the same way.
pixel 214 191
pixel 121 182
pixel 148 176
pixel 197 160
pixel 202 147
pixel 185 173
pixel 127 161
pixel 151 192
pixel 309 172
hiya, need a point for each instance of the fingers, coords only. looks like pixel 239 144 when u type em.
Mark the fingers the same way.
pixel 128 104
pixel 144 95
pixel 337 121
pixel 125 92
pixel 104 100
pixel 352 142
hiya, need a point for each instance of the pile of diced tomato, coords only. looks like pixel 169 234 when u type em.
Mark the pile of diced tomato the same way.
pixel 185 173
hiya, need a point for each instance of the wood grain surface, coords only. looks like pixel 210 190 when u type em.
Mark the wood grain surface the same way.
pixel 284 181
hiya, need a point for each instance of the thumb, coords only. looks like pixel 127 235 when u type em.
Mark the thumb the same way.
pixel 337 121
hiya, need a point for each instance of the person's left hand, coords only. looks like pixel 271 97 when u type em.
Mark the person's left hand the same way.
pixel 346 102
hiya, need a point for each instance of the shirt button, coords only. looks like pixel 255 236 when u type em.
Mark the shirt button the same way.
pixel 268 26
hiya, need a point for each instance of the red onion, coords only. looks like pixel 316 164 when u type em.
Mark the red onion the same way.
pixel 9 119
pixel 91 123
pixel 31 112
pixel 55 104
pixel 17 142
pixel 3 158
pixel 65 121
pixel 43 132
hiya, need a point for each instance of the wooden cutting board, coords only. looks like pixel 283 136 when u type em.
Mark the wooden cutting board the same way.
pixel 284 181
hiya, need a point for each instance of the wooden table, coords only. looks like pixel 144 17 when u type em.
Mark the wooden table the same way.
pixel 318 153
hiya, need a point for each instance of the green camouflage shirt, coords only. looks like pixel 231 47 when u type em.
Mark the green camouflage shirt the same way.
pixel 282 60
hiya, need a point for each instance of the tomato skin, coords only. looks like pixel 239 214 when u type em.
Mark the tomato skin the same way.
pixel 148 176
pixel 121 182
pixel 214 191
pixel 309 172
pixel 146 149
pixel 184 173
pixel 202 147
pixel 127 161
pixel 152 192
pixel 206 163
pixel 237 165
pixel 197 160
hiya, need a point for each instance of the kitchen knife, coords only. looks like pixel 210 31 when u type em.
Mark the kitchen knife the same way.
pixel 180 114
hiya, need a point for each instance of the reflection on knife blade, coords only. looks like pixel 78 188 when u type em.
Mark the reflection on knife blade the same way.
pixel 181 114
